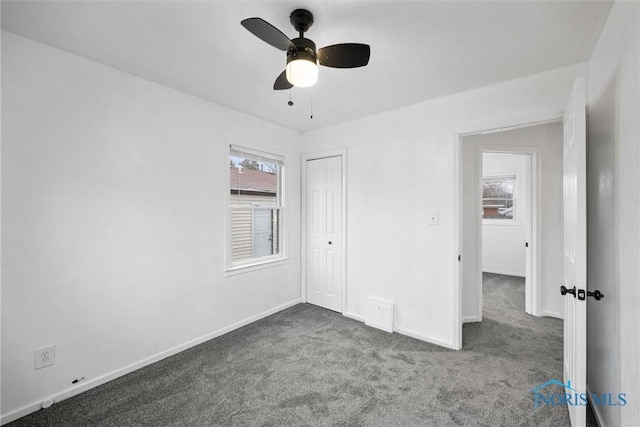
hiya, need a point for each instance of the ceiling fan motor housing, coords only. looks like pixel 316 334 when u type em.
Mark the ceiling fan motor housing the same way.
pixel 305 49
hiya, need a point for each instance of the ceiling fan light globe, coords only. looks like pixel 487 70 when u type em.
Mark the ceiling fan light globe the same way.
pixel 302 72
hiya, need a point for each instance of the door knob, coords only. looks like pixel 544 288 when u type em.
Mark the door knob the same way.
pixel 581 293
pixel 564 290
pixel 331 243
pixel 596 294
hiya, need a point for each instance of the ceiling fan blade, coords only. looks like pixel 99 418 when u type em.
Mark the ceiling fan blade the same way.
pixel 281 82
pixel 268 33
pixel 344 55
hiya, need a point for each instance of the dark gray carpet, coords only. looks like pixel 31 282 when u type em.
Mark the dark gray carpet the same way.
pixel 310 366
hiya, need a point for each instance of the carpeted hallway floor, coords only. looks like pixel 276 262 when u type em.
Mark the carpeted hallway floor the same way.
pixel 310 366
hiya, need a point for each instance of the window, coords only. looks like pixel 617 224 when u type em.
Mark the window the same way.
pixel 498 197
pixel 255 196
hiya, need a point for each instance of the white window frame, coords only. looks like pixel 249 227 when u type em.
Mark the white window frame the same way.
pixel 252 264
pixel 516 190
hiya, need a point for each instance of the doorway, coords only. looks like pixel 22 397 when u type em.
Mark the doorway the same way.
pixel 324 231
pixel 542 144
pixel 506 220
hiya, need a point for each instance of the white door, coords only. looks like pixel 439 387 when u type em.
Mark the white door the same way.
pixel 575 249
pixel 324 232
pixel 262 233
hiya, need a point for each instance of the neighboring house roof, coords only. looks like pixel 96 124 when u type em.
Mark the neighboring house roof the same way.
pixel 252 180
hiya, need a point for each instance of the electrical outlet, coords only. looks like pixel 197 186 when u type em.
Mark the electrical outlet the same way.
pixel 45 356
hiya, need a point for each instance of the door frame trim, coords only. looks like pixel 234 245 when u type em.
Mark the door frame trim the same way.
pixel 305 157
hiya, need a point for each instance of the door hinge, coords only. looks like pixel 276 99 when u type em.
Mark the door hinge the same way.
pixel 459 257
pixel 526 244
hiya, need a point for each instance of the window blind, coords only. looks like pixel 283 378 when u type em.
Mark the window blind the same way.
pixel 256 156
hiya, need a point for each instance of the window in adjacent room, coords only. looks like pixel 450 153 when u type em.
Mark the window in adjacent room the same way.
pixel 256 214
pixel 498 197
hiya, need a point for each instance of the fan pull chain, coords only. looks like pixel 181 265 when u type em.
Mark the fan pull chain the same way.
pixel 290 101
pixel 311 105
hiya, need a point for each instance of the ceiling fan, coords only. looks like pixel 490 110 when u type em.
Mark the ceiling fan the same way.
pixel 302 56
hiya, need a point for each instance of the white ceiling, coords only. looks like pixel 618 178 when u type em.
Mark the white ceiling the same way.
pixel 419 49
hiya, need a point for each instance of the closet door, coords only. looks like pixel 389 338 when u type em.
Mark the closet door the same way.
pixel 324 232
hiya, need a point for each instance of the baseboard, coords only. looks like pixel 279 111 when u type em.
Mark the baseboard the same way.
pixel 406 332
pixel 421 337
pixel 503 273
pixel 95 382
pixel 552 314
pixel 597 412
pixel 354 316
pixel 470 319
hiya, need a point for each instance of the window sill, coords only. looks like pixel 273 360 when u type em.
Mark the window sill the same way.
pixel 241 269
pixel 501 222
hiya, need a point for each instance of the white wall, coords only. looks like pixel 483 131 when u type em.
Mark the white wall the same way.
pixel 613 206
pixel 546 141
pixel 114 195
pixel 503 250
pixel 402 164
